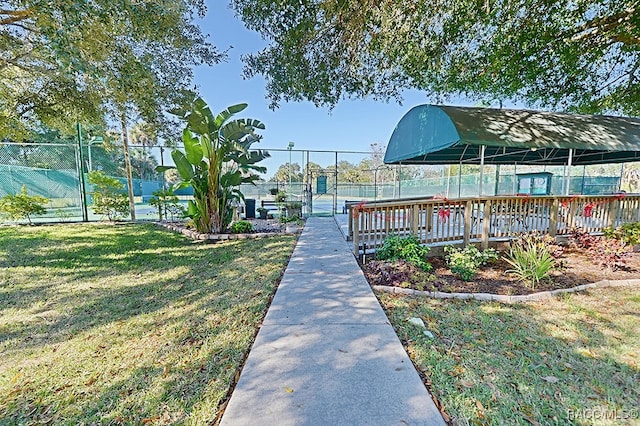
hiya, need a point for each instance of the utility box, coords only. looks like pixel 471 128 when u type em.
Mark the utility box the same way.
pixel 534 183
pixel 250 208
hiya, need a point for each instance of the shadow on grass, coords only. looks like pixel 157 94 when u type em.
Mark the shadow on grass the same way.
pixel 101 323
pixel 529 363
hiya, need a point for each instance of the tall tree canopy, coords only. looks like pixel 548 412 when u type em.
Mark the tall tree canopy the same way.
pixel 68 60
pixel 580 55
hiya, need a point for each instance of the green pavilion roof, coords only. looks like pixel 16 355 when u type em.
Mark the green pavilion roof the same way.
pixel 430 134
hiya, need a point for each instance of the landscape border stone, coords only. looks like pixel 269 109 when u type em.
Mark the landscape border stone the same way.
pixel 487 297
pixel 194 235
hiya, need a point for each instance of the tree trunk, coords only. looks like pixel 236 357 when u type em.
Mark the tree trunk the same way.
pixel 127 163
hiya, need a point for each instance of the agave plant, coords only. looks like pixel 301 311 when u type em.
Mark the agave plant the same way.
pixel 216 160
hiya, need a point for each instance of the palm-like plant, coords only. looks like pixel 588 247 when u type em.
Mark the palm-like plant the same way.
pixel 216 160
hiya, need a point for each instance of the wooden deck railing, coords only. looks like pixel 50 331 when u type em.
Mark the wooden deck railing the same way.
pixel 464 220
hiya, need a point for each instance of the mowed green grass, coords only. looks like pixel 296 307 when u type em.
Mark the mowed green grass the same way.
pixel 572 360
pixel 103 324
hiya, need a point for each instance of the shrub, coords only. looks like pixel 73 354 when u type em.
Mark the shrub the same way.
pixel 404 248
pixel 281 197
pixel 581 239
pixel 398 273
pixel 294 208
pixel 109 198
pixel 610 253
pixel 167 204
pixel 629 233
pixel 22 205
pixel 531 258
pixel 289 219
pixel 241 227
pixel 63 215
pixel 466 262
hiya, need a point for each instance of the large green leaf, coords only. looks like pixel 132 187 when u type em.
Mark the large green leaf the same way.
pixel 205 143
pixel 192 210
pixel 192 147
pixel 161 169
pixel 252 124
pixel 181 185
pixel 185 169
pixel 234 130
pixel 231 179
pixel 228 113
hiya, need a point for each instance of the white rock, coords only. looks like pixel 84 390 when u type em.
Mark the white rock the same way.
pixel 417 321
pixel 428 334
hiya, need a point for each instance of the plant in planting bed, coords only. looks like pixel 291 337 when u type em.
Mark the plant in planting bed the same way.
pixel 466 262
pixel 606 252
pixel 531 259
pixel 241 227
pixel 629 233
pixel 407 248
pixel 398 273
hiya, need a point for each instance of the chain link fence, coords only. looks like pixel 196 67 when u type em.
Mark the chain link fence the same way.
pixel 318 179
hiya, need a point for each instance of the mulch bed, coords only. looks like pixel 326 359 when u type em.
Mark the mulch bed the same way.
pixel 576 269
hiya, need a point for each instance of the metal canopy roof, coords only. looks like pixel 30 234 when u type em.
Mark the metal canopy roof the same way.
pixel 430 134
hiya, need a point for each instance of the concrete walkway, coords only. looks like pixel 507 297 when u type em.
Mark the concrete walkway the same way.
pixel 326 353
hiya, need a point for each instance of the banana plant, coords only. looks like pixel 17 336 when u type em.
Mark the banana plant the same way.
pixel 217 159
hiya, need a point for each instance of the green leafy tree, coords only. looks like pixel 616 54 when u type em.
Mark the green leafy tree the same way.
pixel 282 174
pixel 109 198
pixel 69 60
pixel 216 160
pixel 581 55
pixel 22 205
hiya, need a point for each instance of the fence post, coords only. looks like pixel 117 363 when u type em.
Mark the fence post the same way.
pixel 486 224
pixel 553 217
pixel 467 222
pixel 83 190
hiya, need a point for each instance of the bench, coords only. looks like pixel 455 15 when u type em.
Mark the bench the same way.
pixel 269 204
pixel 348 203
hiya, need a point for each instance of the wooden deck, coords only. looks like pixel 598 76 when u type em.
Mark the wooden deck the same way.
pixel 481 219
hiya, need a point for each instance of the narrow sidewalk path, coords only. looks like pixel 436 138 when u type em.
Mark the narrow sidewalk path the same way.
pixel 326 353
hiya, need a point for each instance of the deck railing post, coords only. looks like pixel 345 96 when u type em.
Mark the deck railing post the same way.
pixel 350 213
pixel 414 220
pixel 486 224
pixel 467 222
pixel 613 212
pixel 553 217
pixel 573 210
pixel 355 217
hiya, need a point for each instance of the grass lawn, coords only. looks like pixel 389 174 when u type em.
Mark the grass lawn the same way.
pixel 126 324
pixel 563 361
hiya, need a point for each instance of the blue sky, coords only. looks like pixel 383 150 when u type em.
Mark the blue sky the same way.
pixel 352 125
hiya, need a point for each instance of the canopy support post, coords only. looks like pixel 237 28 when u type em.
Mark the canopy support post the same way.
pixel 460 180
pixel 482 148
pixel 567 177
